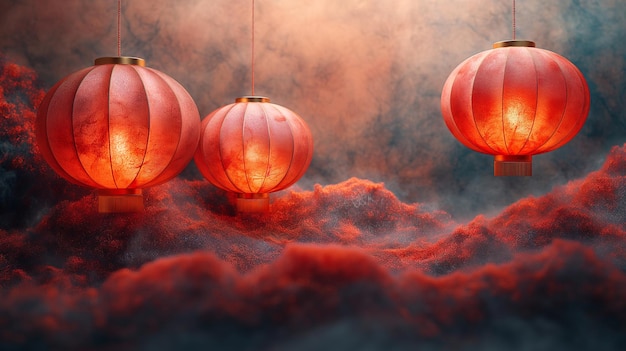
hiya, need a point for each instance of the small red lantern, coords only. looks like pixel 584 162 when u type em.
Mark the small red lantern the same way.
pixel 118 126
pixel 252 148
pixel 515 101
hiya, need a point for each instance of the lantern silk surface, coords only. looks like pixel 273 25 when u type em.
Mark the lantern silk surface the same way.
pixel 254 147
pixel 515 101
pixel 118 126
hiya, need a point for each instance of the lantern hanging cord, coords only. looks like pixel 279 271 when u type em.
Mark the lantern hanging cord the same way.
pixel 119 27
pixel 513 19
pixel 252 53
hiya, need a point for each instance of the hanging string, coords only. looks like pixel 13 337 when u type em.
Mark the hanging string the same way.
pixel 513 19
pixel 119 27
pixel 252 54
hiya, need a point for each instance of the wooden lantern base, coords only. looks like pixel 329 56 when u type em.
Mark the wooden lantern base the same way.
pixel 120 200
pixel 253 203
pixel 513 165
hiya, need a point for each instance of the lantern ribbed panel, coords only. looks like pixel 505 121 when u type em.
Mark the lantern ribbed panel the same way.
pixel 118 126
pixel 515 101
pixel 254 148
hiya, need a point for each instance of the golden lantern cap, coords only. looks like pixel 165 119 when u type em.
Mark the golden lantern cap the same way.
pixel 120 60
pixel 509 43
pixel 252 98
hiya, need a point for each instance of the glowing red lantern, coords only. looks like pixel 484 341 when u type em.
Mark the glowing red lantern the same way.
pixel 515 101
pixel 252 148
pixel 118 126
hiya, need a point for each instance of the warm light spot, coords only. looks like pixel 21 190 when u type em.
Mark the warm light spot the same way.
pixel 512 115
pixel 516 118
pixel 254 156
pixel 119 143
pixel 256 163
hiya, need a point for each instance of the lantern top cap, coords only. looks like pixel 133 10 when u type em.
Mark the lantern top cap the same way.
pixel 120 60
pixel 508 43
pixel 252 99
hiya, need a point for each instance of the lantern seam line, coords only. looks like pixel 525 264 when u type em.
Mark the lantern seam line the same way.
pixel 221 154
pixel 109 127
pixel 155 179
pixel 221 185
pixel 562 113
pixel 453 122
pixel 45 121
pixel 506 146
pixel 243 151
pixel 532 126
pixel 80 161
pixel 575 129
pixel 72 133
pixel 304 165
pixel 143 158
pixel 180 135
pixel 472 107
pixel 94 183
pixel 279 185
pixel 269 147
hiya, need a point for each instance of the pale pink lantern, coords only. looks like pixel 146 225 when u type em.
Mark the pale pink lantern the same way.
pixel 118 127
pixel 252 148
pixel 515 101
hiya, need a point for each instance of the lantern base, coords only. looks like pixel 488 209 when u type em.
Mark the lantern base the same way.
pixel 253 202
pixel 122 200
pixel 512 165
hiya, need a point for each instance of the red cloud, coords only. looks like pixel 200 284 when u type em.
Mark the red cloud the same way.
pixel 566 285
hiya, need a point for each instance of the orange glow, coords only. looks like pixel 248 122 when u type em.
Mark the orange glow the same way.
pixel 116 127
pixel 254 147
pixel 515 101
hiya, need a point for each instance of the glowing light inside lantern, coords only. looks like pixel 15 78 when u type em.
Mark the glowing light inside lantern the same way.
pixel 118 127
pixel 253 148
pixel 515 101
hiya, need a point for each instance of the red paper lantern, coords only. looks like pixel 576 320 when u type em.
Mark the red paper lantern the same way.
pixel 515 101
pixel 253 148
pixel 118 126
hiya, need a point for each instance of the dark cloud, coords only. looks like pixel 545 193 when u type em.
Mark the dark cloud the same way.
pixel 27 186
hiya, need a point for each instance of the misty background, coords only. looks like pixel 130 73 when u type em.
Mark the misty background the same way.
pixel 365 75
